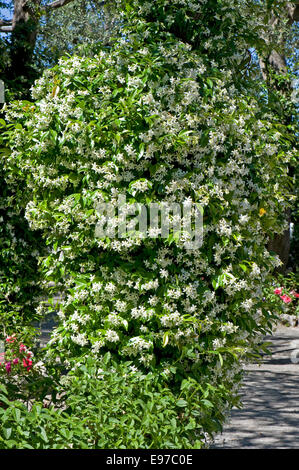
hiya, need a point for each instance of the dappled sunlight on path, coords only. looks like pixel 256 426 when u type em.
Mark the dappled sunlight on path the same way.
pixel 270 414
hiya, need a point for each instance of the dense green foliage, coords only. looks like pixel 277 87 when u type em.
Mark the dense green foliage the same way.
pixel 20 287
pixel 82 26
pixel 107 405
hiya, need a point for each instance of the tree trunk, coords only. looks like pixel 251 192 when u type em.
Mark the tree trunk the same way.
pixel 23 39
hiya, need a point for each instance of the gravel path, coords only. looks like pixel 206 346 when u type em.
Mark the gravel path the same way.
pixel 270 414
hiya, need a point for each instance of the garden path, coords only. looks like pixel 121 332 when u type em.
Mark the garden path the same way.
pixel 270 414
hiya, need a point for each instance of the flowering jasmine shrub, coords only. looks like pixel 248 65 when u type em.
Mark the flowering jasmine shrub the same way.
pixel 155 119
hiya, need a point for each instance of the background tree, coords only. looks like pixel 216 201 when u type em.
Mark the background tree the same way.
pixel 29 46
pixel 30 43
pixel 278 61
pixel 82 24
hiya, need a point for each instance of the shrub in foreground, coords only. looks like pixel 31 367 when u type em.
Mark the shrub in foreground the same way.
pixel 107 405
pixel 154 119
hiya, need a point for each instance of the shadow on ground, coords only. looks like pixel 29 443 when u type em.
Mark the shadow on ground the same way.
pixel 270 414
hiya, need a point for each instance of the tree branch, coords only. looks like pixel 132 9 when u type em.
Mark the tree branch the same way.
pixel 56 4
pixel 293 11
pixel 5 22
pixel 6 29
pixel 61 3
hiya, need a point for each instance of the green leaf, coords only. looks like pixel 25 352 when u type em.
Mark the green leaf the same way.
pixel 44 435
pixel 17 414
pixel 218 281
pixel 165 338
pixel 220 359
pixel 141 152
pixel 207 403
pixel 7 432
pixel 204 138
pixel 5 400
pixel 181 403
